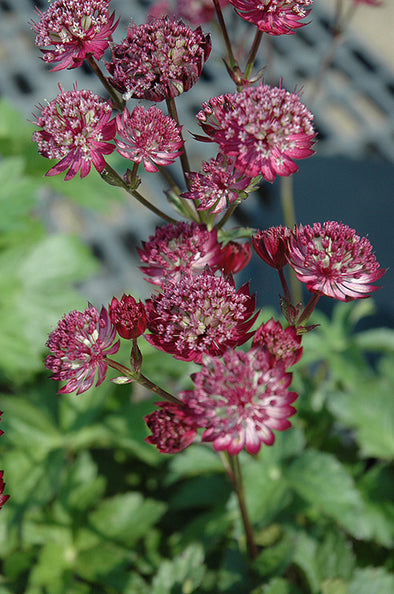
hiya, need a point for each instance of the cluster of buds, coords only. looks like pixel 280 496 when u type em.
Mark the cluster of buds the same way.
pixel 241 387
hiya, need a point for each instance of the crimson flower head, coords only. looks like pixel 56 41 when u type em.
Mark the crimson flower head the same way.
pixel 128 316
pixel 283 344
pixel 176 249
pixel 235 257
pixel 200 314
pixel 173 429
pixel 239 400
pixel 272 245
pixel 219 185
pixel 73 29
pixel 275 17
pixel 75 129
pixel 197 12
pixel 158 60
pixel 333 260
pixel 79 346
pixel 149 137
pixel 264 128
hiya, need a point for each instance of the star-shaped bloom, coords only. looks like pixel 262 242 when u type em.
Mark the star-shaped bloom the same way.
pixel 334 261
pixel 264 128
pixel 76 129
pixel 240 400
pixel 73 29
pixel 79 346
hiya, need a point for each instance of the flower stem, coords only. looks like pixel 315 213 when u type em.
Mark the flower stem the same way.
pixel 172 111
pixel 306 314
pixel 142 380
pixel 238 486
pixel 227 215
pixel 285 286
pixel 117 101
pixel 223 28
pixel 120 182
pixel 289 218
pixel 252 54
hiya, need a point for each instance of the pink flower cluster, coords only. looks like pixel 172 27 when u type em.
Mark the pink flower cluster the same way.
pixel 188 248
pixel 158 60
pixel 218 185
pixel 196 12
pixel 79 346
pixel 149 137
pixel 264 128
pixel 275 17
pixel 74 29
pixel 239 400
pixel 331 259
pixel 76 129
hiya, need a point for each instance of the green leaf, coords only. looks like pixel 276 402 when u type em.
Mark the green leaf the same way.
pixel 17 195
pixel 325 484
pixel 126 518
pixel 371 580
pixel 183 574
pixel 274 560
pixel 34 292
pixel 305 558
pixel 369 410
pixel 277 586
pixel 334 556
pixel 334 586
pixel 376 339
pixel 266 488
pixel 195 460
pixel 81 486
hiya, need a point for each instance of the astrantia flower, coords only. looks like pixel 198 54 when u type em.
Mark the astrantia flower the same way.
pixel 177 249
pixel 73 29
pixel 263 127
pixel 197 12
pixel 275 17
pixel 128 316
pixel 218 185
pixel 283 344
pixel 149 137
pixel 200 314
pixel 333 260
pixel 240 400
pixel 79 346
pixel 235 257
pixel 75 129
pixel 172 428
pixel 157 60
pixel 272 245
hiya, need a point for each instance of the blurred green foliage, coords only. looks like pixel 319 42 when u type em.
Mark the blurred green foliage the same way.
pixel 96 510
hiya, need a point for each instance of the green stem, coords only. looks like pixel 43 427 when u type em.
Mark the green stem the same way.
pixel 138 196
pixel 223 28
pixel 228 214
pixel 289 218
pixel 117 101
pixel 285 286
pixel 238 486
pixel 172 111
pixel 306 314
pixel 142 380
pixel 253 53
